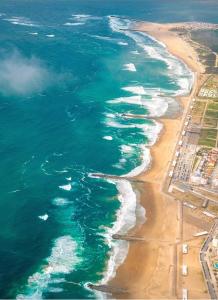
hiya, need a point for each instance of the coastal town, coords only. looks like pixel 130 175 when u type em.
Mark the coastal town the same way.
pixel 193 181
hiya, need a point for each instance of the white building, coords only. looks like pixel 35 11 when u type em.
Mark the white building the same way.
pixel 184 248
pixel 184 270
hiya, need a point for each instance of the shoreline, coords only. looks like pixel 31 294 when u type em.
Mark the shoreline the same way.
pixel 137 274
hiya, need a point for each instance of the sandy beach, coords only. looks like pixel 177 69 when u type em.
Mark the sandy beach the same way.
pixel 150 269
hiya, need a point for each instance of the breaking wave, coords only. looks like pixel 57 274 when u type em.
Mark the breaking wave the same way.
pixel 62 261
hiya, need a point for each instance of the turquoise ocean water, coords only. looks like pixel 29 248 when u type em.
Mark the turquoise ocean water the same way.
pixel 69 70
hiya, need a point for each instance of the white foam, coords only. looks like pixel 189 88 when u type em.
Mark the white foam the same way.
pixel 138 90
pixel 108 137
pixel 117 24
pixel 50 35
pixel 62 260
pixel 14 191
pixel 156 50
pixel 84 17
pixel 43 217
pixel 102 37
pixel 146 161
pixel 110 115
pixel 130 67
pixel 33 33
pixel 81 16
pixel 177 69
pixel 61 171
pixel 60 201
pixel 157 106
pixel 126 219
pixel 122 160
pixel 66 187
pixel 126 149
pixel 153 39
pixel 135 52
pixel 21 21
pixel 74 24
pixel 123 43
pixel 131 100
pixel 55 290
pixel 69 178
pixel 151 131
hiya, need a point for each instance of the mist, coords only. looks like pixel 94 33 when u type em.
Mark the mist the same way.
pixel 20 75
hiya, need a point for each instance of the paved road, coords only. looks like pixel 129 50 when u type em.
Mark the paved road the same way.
pixel 204 264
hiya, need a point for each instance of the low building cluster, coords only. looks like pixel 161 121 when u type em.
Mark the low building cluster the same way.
pixel 208 93
pixel 205 167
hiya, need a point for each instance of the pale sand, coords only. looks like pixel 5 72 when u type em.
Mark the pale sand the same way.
pixel 149 269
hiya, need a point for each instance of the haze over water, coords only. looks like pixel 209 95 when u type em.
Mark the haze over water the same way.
pixel 69 70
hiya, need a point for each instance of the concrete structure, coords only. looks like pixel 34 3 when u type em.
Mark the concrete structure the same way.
pixel 184 294
pixel 201 233
pixel 184 248
pixel 174 163
pixel 184 270
pixel 208 214
pixel 171 174
pixel 177 153
pixel 189 205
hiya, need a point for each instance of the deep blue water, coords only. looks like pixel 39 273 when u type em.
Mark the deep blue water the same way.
pixel 67 74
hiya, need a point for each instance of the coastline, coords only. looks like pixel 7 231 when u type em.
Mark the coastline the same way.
pixel 138 274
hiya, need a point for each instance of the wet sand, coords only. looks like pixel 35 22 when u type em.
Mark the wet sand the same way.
pixel 150 269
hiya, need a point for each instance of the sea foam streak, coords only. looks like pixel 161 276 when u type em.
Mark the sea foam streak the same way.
pixel 74 24
pixel 60 201
pixel 126 219
pixel 62 261
pixel 66 187
pixel 138 90
pixel 22 21
pixel 130 67
pixel 43 217
pixel 108 137
pixel 146 161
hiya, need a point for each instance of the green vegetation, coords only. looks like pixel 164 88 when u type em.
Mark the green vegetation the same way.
pixel 208 137
pixel 208 134
pixel 207 142
pixel 212 114
pixel 213 106
pixel 210 123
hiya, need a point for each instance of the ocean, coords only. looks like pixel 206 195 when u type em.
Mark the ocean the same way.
pixel 69 72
